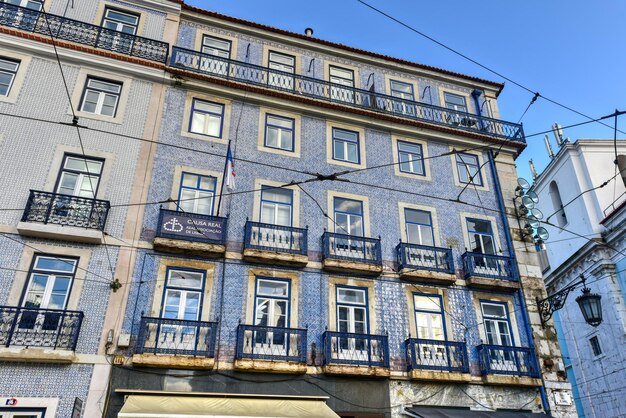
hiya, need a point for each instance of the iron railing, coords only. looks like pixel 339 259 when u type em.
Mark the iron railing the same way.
pixel 33 327
pixel 355 349
pixel 351 248
pixel 82 33
pixel 66 210
pixel 424 257
pixel 320 89
pixel 284 239
pixel 176 337
pixel 271 343
pixel 446 356
pixel 191 226
pixel 489 266
pixel 500 359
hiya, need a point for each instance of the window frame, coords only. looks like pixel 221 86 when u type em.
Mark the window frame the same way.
pixel 399 142
pixel 350 214
pixel 62 170
pixel 291 205
pixel 101 94
pixel 167 286
pixel 441 312
pixel 492 235
pixel 13 73
pixel 392 90
pixel 257 280
pixel 462 165
pixel 292 130
pixel 123 12
pixel 32 270
pixel 192 110
pixel 596 348
pixel 203 45
pixel 431 225
pixel 345 142
pixel 486 318
pixel 365 305
pixel 200 176
pixel 446 103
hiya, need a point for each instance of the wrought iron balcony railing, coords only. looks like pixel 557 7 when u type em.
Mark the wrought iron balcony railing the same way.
pixel 424 257
pixel 82 33
pixel 500 359
pixel 284 239
pixel 351 248
pixel 355 349
pixel 489 266
pixel 46 328
pixel 199 62
pixel 191 227
pixel 66 210
pixel 176 337
pixel 445 356
pixel 271 343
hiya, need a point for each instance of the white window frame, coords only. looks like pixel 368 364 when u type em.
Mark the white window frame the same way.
pixel 101 96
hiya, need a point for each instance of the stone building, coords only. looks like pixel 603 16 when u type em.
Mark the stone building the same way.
pixel 588 239
pixel 365 263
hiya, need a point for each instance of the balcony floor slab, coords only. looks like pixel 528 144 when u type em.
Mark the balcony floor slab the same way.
pixel 439 376
pixel 275 257
pixel 64 233
pixel 285 367
pixel 347 370
pixel 173 362
pixel 427 276
pixel 179 246
pixel 352 266
pixel 490 284
pixel 36 355
pixel 506 380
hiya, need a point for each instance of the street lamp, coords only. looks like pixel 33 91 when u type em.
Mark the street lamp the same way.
pixel 589 304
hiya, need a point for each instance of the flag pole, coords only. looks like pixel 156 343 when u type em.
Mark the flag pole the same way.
pixel 219 201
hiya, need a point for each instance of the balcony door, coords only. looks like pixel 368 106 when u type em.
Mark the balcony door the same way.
pixel 197 194
pixel 182 304
pixel 21 18
pixel 219 48
pixel 498 332
pixel 482 241
pixel 430 327
pixel 282 65
pixel 352 318
pixel 276 209
pixel 122 28
pixel 271 315
pixel 404 92
pixel 342 84
pixel 419 231
pixel 348 216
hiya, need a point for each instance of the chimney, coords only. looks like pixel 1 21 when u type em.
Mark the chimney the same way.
pixel 308 32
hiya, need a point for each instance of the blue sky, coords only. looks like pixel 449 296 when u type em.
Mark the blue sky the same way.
pixel 570 51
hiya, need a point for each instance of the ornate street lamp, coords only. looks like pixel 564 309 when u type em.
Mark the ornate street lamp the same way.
pixel 589 304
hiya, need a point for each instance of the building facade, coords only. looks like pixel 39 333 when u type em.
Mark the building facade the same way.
pixel 362 259
pixel 588 236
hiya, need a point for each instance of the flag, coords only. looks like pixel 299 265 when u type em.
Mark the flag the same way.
pixel 230 171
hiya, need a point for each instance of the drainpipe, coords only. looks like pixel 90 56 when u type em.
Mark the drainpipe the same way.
pixel 475 95
pixel 509 243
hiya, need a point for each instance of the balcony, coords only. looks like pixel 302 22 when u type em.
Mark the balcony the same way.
pixel 423 263
pixel 302 86
pixel 355 354
pixel 82 33
pixel 190 233
pixel 65 217
pixel 506 365
pixel 272 349
pixel 275 244
pixel 175 343
pixel 437 360
pixel 350 253
pixel 39 335
pixel 488 271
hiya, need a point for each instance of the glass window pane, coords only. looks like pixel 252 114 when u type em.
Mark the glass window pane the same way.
pixel 494 310
pixel 417 216
pixel 351 296
pixel 271 137
pixel 356 226
pixel 277 194
pixel 182 278
pixel 427 303
pixel 286 140
pixel 282 122
pixel 283 215
pixel 348 205
pixel 54 264
pixel 67 184
pixel 8 65
pixel 207 183
pixel 272 288
pixel 342 73
pixel 338 149
pixel 190 180
pixel 346 135
pixel 103 85
pixel 216 43
pixel 353 153
pixel 207 106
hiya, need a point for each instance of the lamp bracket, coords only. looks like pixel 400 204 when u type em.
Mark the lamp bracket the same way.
pixel 556 301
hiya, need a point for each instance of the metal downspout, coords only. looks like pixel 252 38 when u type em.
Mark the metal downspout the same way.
pixel 509 243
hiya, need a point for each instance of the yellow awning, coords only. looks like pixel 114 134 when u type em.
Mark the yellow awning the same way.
pixel 142 406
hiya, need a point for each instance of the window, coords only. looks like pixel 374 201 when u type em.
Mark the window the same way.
pixel 276 205
pixel 468 168
pixel 429 319
pixel 348 216
pixel 410 157
pixel 279 132
pixel 403 91
pixel 481 238
pixel 79 176
pixel 497 323
pixel 219 48
pixel 282 63
pixel 29 4
pixel 197 194
pixel 595 346
pixel 346 146
pixel 419 227
pixel 8 70
pixel 183 294
pixel 50 282
pixel 343 77
pixel 100 97
pixel 120 21
pixel 557 204
pixel 352 315
pixel 455 102
pixel 271 309
pixel 206 118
